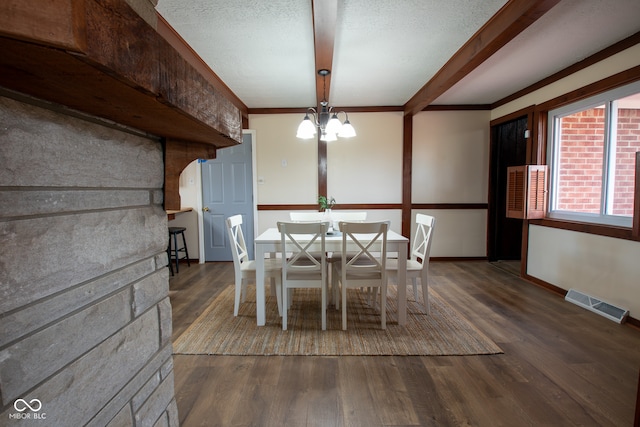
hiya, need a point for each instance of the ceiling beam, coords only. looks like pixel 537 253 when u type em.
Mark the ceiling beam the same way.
pixel 513 18
pixel 191 56
pixel 325 13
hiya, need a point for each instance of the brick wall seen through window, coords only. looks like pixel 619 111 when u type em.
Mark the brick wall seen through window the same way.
pixel 581 158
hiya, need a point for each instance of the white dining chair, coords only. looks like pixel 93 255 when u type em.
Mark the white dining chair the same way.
pixel 303 268
pixel 335 218
pixel 366 267
pixel 338 216
pixel 245 269
pixel 306 216
pixel 418 265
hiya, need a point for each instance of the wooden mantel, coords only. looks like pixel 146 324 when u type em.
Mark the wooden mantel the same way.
pixel 100 57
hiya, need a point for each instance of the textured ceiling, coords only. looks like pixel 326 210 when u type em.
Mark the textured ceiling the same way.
pixel 572 31
pixel 386 51
pixel 262 50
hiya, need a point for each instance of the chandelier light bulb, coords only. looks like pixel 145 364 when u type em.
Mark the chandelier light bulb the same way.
pixel 325 119
pixel 334 124
pixel 347 131
pixel 328 137
pixel 306 129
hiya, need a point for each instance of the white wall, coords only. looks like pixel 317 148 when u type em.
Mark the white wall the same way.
pixel 604 267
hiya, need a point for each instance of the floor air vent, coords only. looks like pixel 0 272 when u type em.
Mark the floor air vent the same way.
pixel 607 310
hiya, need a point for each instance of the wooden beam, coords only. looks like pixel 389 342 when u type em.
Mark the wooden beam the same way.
pixel 177 156
pixel 325 14
pixel 407 173
pixel 190 55
pixel 57 23
pixel 507 23
pixel 301 110
pixel 137 78
pixel 322 167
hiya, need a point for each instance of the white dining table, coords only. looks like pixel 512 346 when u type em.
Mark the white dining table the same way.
pixel 270 242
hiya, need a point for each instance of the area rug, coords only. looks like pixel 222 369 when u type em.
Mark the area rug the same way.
pixel 442 332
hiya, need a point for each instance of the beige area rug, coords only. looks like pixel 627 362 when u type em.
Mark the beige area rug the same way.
pixel 442 332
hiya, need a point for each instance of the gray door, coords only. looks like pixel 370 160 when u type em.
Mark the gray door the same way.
pixel 227 189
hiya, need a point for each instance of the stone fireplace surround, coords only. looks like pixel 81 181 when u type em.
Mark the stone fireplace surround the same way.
pixel 85 318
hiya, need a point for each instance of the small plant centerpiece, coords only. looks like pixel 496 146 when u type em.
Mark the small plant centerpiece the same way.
pixel 326 203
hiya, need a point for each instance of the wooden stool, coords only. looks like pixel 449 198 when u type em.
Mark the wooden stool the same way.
pixel 173 251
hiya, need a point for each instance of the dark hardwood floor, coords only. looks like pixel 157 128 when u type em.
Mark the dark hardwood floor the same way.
pixel 562 366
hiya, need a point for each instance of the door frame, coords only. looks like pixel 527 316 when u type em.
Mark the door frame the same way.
pixel 199 204
pixel 529 113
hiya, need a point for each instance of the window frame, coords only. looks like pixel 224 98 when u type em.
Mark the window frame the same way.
pixel 538 152
pixel 609 99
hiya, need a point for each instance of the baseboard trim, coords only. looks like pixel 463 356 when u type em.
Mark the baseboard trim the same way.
pixel 631 321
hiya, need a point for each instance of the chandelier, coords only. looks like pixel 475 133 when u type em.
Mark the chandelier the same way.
pixel 326 119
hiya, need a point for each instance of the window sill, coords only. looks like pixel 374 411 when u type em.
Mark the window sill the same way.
pixel 614 231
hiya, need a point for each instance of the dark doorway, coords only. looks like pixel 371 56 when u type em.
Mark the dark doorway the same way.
pixel 508 148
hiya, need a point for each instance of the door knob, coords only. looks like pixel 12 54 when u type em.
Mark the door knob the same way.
pixel 205 209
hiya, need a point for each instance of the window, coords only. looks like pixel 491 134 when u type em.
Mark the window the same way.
pixel 592 157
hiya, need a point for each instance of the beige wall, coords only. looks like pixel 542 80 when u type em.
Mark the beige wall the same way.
pixel 451 165
pixel 451 151
pixel 368 167
pixel 603 267
pixel 450 157
pixel 286 167
pixel 600 266
pixel 190 191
